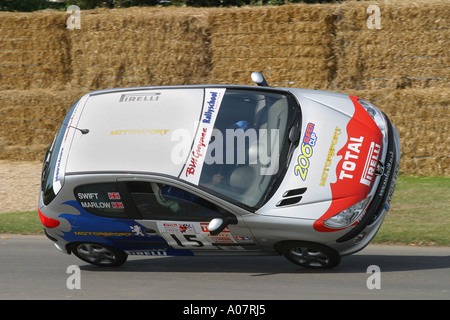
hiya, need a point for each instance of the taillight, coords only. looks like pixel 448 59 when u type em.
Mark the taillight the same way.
pixel 48 222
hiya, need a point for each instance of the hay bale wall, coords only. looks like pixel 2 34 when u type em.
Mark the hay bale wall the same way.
pixel 34 51
pixel 291 45
pixel 403 67
pixel 139 47
pixel 410 50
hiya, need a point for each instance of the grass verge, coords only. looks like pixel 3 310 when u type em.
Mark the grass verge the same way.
pixel 419 215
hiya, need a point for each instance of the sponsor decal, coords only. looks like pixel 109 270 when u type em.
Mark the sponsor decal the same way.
pixel 186 228
pixel 391 190
pixel 150 252
pixel 354 169
pixel 224 237
pixel 114 195
pixel 198 154
pixel 117 205
pixel 161 132
pixel 96 203
pixel 371 164
pixel 135 231
pixel 243 238
pixel 87 195
pixel 102 234
pixel 211 105
pixel 170 227
pixel 331 154
pixel 205 229
pixel 306 152
pixel 140 97
pixel 351 156
pixel 58 165
pixel 195 235
pixel 211 108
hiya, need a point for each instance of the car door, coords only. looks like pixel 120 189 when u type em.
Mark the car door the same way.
pixel 182 218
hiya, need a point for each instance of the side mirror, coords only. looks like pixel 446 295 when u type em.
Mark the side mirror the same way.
pixel 259 79
pixel 217 225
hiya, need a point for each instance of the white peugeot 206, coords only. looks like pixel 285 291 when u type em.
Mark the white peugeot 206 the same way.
pixel 218 169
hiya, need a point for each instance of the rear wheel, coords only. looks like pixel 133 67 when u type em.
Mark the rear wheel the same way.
pixel 99 254
pixel 310 255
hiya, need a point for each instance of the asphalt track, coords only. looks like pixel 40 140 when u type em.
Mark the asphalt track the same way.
pixel 32 268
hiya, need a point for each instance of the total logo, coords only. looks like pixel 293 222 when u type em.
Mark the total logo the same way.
pixel 351 157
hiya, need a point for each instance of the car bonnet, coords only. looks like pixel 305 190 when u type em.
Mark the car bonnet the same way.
pixel 329 170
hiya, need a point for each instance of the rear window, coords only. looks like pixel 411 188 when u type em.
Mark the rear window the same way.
pixel 51 160
pixel 102 199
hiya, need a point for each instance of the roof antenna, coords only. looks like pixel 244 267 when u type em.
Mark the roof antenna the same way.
pixel 83 131
pixel 259 79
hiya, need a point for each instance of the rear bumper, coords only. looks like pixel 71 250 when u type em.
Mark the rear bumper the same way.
pixel 361 235
pixel 58 246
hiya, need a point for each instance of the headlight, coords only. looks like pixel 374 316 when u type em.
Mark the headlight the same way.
pixel 348 216
pixel 376 115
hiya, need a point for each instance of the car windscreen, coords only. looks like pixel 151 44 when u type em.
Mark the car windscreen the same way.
pixel 247 151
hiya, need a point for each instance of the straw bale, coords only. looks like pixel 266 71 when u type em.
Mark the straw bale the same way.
pixel 402 68
pixel 29 119
pixel 410 50
pixel 395 15
pixel 422 118
pixel 33 53
pixel 130 47
pixel 290 44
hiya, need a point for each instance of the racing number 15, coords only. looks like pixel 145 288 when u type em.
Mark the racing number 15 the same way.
pixel 190 238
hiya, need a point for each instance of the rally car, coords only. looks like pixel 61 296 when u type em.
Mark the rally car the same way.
pixel 218 169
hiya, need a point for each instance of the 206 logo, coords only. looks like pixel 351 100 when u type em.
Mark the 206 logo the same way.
pixel 306 152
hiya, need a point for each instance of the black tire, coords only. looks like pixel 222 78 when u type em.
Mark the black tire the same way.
pixel 310 255
pixel 98 254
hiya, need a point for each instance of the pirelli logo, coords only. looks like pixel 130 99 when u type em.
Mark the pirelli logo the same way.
pixel 139 97
pixel 371 164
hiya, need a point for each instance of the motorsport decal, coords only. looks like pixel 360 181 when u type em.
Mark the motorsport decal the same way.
pixel 160 132
pixel 355 170
pixel 330 155
pixel 193 168
pixel 308 143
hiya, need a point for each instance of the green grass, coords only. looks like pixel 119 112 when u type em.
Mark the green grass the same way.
pixel 21 223
pixel 419 215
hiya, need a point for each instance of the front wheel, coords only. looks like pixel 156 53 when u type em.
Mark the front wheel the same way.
pixel 99 254
pixel 310 255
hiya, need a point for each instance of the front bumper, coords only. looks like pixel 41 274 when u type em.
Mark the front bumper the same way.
pixel 361 235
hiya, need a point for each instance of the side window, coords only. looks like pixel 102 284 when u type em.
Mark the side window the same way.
pixel 102 199
pixel 164 202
